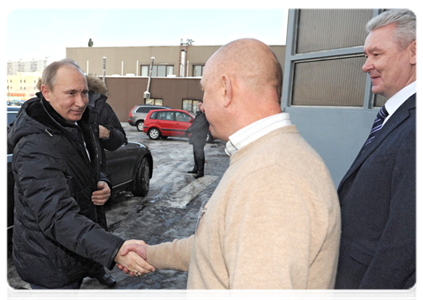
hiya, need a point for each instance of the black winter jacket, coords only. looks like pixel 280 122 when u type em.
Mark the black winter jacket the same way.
pixel 199 129
pixel 56 237
pixel 102 114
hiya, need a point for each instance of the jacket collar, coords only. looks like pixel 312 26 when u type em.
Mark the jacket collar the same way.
pixel 400 115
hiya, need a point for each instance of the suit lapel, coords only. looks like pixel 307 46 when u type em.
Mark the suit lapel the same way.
pixel 400 115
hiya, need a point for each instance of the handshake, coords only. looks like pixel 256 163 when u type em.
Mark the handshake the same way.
pixel 132 258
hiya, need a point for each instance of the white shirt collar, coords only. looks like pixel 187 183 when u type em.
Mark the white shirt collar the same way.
pixel 399 98
pixel 256 130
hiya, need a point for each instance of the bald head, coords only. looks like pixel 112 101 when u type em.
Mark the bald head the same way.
pixel 250 61
pixel 242 83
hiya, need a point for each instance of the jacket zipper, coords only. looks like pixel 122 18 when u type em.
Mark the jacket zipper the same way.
pixel 48 132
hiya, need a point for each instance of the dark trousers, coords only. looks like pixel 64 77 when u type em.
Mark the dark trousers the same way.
pixel 69 292
pixel 199 158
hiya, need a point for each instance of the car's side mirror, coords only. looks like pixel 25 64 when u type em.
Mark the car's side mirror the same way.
pixel 191 120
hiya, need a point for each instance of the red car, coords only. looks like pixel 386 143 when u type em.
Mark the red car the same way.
pixel 167 122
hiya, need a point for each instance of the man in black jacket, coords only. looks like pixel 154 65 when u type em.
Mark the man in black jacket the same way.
pixel 199 130
pixel 56 165
pixel 112 136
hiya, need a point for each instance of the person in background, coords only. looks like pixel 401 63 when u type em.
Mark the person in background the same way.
pixel 111 133
pixel 273 221
pixel 58 184
pixel 112 136
pixel 198 130
pixel 378 193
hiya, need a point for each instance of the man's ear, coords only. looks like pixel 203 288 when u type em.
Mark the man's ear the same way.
pixel 413 50
pixel 46 92
pixel 227 90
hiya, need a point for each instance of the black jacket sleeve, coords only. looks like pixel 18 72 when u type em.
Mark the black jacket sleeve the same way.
pixel 108 119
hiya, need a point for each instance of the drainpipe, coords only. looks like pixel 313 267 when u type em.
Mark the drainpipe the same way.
pixel 104 69
pixel 147 92
pixel 183 63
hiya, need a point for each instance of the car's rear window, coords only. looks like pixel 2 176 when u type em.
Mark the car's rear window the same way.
pixel 143 109
pixel 154 115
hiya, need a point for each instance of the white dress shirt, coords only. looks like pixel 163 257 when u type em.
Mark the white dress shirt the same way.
pixel 398 99
pixel 256 130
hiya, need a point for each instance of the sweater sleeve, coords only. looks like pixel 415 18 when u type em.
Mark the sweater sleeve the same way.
pixel 172 255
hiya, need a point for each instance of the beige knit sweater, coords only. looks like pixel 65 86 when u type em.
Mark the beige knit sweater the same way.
pixel 273 222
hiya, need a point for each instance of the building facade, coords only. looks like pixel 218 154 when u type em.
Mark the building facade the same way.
pixel 31 66
pixel 22 86
pixel 175 74
pixel 185 60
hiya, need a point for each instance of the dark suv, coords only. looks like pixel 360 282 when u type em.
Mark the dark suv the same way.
pixel 139 112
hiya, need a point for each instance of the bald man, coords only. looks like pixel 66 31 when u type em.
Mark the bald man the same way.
pixel 273 222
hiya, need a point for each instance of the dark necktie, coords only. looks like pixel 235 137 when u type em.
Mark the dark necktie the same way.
pixel 377 125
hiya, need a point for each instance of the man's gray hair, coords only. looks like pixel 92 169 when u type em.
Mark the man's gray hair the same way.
pixel 49 73
pixel 405 20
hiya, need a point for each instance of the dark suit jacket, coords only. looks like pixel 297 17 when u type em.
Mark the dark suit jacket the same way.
pixel 378 208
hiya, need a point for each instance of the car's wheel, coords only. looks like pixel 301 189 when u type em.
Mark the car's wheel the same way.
pixel 140 125
pixel 154 133
pixel 142 179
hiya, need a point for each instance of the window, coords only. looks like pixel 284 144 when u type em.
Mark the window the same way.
pixel 158 70
pixel 324 60
pixel 154 115
pixel 190 105
pixel 182 117
pixel 143 109
pixel 144 71
pixel 328 29
pixel 198 70
pixel 165 115
pixel 335 82
pixel 154 101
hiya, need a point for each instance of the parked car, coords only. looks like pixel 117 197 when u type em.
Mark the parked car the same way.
pixel 12 111
pixel 131 170
pixel 165 123
pixel 15 102
pixel 139 112
pixel 172 122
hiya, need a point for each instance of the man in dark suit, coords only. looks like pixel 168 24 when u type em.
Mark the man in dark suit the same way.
pixel 378 193
pixel 199 130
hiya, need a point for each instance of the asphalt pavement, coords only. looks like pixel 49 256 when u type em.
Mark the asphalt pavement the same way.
pixel 168 212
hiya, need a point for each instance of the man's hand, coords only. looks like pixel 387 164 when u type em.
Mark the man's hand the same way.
pixel 104 133
pixel 131 262
pixel 100 196
pixel 139 247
